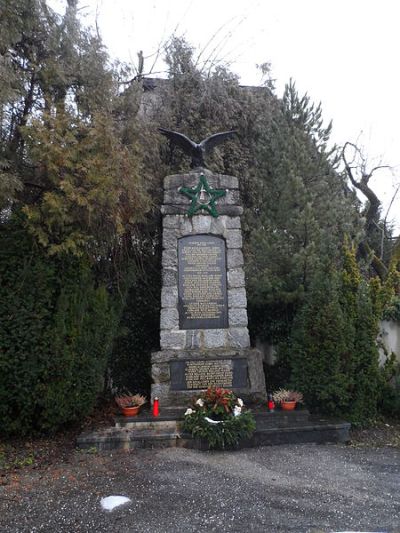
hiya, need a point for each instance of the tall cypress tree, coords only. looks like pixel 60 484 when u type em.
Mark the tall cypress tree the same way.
pixel 318 345
pixel 365 389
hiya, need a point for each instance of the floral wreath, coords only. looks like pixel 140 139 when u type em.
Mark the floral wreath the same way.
pixel 220 418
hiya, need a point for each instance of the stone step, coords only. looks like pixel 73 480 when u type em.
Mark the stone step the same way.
pixel 127 439
pixel 168 420
pixel 278 418
pixel 314 430
pixel 145 420
pixel 130 423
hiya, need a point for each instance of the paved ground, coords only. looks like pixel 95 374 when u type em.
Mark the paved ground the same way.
pixel 303 488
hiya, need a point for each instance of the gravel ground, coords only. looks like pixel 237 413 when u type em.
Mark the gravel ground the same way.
pixel 302 488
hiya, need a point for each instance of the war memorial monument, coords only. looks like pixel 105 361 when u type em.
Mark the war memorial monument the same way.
pixel 204 337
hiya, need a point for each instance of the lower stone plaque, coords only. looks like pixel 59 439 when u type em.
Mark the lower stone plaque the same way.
pixel 203 373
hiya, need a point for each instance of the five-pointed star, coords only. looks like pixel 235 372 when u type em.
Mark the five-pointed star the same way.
pixel 203 197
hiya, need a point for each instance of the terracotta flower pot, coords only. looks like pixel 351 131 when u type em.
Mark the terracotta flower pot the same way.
pixel 130 411
pixel 288 406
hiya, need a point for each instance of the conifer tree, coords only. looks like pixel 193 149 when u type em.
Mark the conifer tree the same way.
pixel 72 194
pixel 318 345
pixel 62 145
pixel 333 349
pixel 361 311
pixel 365 390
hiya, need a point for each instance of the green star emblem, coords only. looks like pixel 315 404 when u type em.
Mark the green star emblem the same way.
pixel 203 197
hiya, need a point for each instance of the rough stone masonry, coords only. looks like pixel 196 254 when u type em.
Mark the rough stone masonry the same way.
pixel 202 281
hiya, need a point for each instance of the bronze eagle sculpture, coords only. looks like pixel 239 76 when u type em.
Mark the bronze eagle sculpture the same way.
pixel 197 151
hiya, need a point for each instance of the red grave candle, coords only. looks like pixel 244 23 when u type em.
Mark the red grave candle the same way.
pixel 156 410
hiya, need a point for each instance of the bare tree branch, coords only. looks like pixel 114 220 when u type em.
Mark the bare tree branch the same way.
pixel 391 202
pixel 372 212
pixel 374 205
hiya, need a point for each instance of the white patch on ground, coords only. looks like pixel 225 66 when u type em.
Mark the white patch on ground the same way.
pixel 111 502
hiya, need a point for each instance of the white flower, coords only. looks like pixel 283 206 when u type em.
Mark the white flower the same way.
pixel 240 402
pixel 200 402
pixel 189 411
pixel 237 410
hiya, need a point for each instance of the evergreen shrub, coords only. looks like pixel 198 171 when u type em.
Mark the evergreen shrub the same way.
pixel 56 328
pixel 334 353
pixel 138 335
pixel 318 347
pixel 389 391
pixel 392 310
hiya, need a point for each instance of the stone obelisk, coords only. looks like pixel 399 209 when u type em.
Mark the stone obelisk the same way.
pixel 204 337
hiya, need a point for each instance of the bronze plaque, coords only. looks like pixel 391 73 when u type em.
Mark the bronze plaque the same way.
pixel 203 373
pixel 203 302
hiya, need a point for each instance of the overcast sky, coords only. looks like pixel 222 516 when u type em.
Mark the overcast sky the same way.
pixel 344 53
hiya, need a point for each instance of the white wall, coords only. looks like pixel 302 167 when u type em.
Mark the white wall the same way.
pixel 390 336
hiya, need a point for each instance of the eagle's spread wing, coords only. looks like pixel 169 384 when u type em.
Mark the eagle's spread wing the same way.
pixel 209 143
pixel 179 139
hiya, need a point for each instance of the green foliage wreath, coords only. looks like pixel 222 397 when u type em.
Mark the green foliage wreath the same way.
pixel 220 418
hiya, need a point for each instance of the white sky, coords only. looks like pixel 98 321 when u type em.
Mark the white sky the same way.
pixel 344 53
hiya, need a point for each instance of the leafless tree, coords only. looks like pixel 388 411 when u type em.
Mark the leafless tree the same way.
pixel 358 171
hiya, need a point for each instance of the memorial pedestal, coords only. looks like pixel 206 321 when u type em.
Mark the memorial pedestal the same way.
pixel 204 337
pixel 180 375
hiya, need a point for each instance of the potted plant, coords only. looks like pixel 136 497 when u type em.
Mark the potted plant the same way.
pixel 130 404
pixel 219 419
pixel 287 399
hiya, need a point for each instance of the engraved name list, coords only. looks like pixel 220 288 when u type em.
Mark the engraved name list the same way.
pixel 202 282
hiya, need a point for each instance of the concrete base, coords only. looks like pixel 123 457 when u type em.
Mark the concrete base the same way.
pixel 280 427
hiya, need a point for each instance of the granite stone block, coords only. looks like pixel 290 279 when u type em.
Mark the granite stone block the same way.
pixel 256 375
pixel 232 197
pixel 232 222
pixel 175 198
pixel 239 337
pixel 185 225
pixel 161 391
pixel 237 298
pixel 170 258
pixel 193 339
pixel 182 209
pixel 201 223
pixel 238 317
pixel 169 238
pixel 234 258
pixel 160 373
pixel 218 225
pixel 230 210
pixel 214 338
pixel 236 278
pixel 169 318
pixel 234 238
pixel 172 340
pixel 169 296
pixel 169 277
pixel 190 180
pixel 171 221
